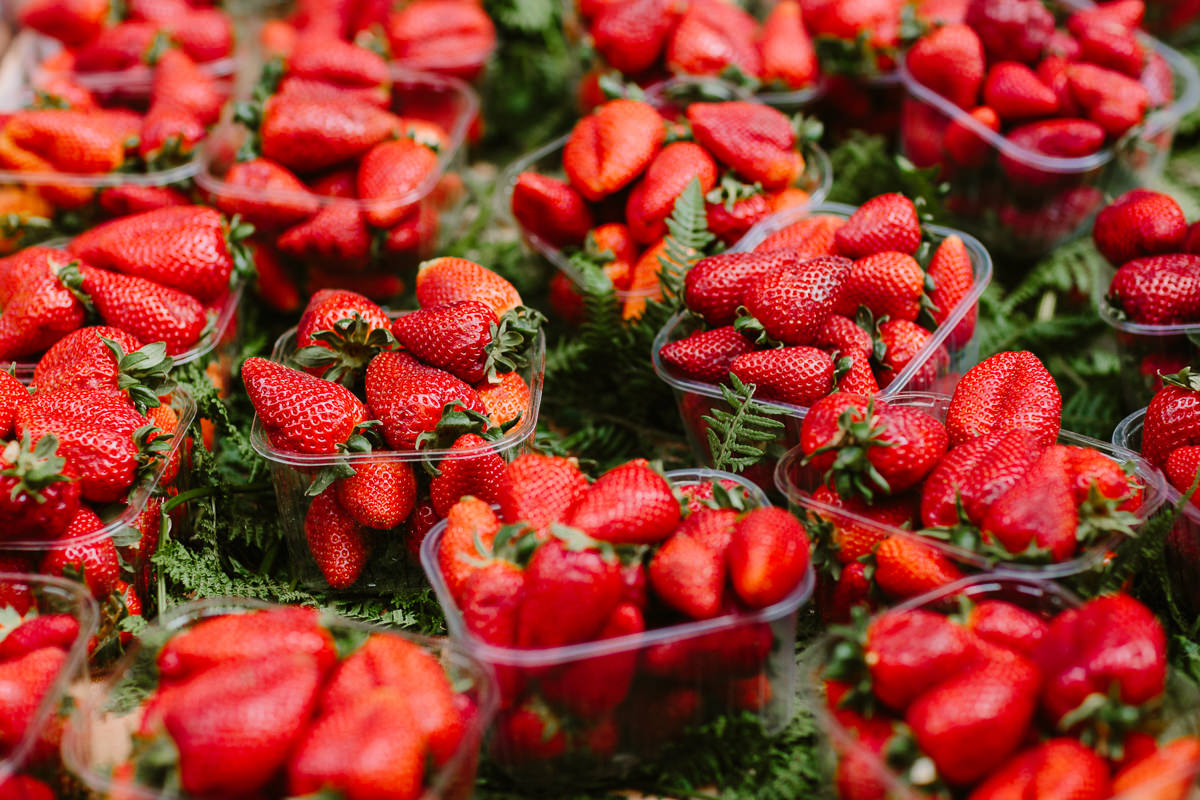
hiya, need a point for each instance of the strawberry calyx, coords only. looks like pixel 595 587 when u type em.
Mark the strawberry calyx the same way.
pixel 357 442
pixel 824 549
pixel 249 113
pixel 346 349
pixel 730 191
pixel 71 278
pixel 1101 721
pixel 371 39
pixel 35 466
pixel 160 44
pixel 750 327
pixel 848 662
pixel 852 57
pixel 1101 516
pixel 143 374
pixel 237 234
pixel 852 473
pixel 735 75
pixel 864 319
pixel 515 543
pixel 577 541
pixel 458 420
pixel 615 88
pixel 152 443
pixel 807 129
pixel 904 755
pixel 1184 379
pixel 724 497
pixel 510 340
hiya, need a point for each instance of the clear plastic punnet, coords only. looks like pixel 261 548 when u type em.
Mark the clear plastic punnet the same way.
pixel 705 680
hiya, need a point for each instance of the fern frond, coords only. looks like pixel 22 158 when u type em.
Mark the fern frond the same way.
pixel 1072 268
pixel 738 437
pixel 688 239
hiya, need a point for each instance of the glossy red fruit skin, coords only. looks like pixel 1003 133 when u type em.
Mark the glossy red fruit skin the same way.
pixel 653 198
pixel 949 61
pixel 1016 29
pixel 1008 391
pixel 541 489
pixel 796 375
pixel 1007 625
pixel 569 594
pixel 408 397
pixel 1158 290
pixel 629 504
pixel 688 576
pixel 337 541
pixel 1139 223
pixel 609 148
pixel 754 140
pixel 706 355
pixel 714 286
pixel 1172 421
pixel 793 304
pixel 1014 91
pixel 49 630
pixel 885 222
pixel 380 494
pixel 1056 769
pixel 593 687
pixel 551 209
pixel 976 473
pixel 301 413
pixel 909 651
pixel 452 336
pixel 767 557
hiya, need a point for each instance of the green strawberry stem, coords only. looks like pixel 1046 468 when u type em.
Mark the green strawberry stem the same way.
pixel 852 472
pixel 352 343
pixel 36 467
pixel 144 374
pixel 510 340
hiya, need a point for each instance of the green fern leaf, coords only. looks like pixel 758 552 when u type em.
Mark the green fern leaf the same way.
pixel 738 437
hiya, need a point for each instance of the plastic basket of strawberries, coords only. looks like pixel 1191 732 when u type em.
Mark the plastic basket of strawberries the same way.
pixel 620 180
pixel 348 170
pixel 1004 687
pixel 452 392
pixel 172 275
pixel 44 639
pixel 228 696
pixel 1165 434
pixel 884 323
pixel 1152 301
pixel 908 493
pixel 616 615
pixel 1034 118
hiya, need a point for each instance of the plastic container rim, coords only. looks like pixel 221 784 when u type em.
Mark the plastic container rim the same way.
pixel 552 656
pixel 1122 437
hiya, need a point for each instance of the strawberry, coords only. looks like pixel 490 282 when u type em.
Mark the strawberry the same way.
pixel 611 147
pixel 975 474
pixel 235 725
pixel 24 684
pixel 1176 760
pixel 1056 769
pixel 1113 101
pixel 390 176
pixel 965 146
pixel 689 576
pixel 949 61
pixel 1061 138
pixel 593 687
pixel 902 341
pixel 13 396
pixel 444 280
pixel 41 309
pixel 853 539
pixel 471 522
pixel 39 496
pixel 337 541
pixel 788 56
pixel 1139 223
pixel 888 283
pixel 528 734
pixel 756 141
pixel 51 630
pixel 653 198
pixel 72 22
pixel 1014 91
pixel 301 413
pixel 82 360
pixel 1108 43
pixel 451 37
pixel 309 135
pixel 796 375
pixel 1181 467
pixel 810 237
pixel 907 652
pixel 205 34
pixel 340 332
pixel 71 141
pixel 185 248
pixel 273 283
pixel 25 787
pixel 571 590
pixel 550 209
pixel 380 494
pixel 792 304
pixel 178 80
pixel 507 401
pixel 141 307
pixel 337 233
pixel 489 601
pixel 1012 29
pixel 1038 510
pixel 1111 646
pixel 907 567
pixel 742 207
pixel 169 131
pixel 480 474
pixel 94 562
pixel 540 490
pixel 1008 391
pixel 466 339
pixel 713 288
pixel 630 504
pixel 706 355
pixel 266 194
pixel 953 275
pixel 1157 290
pixel 409 397
pixel 328 59
pixel 885 222
pixel 768 556
pixel 713 36
pixel 1006 625
pixel 631 35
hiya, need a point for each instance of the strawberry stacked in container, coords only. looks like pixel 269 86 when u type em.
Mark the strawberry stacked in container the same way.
pixel 282 702
pixel 155 276
pixel 43 635
pixel 450 389
pixel 344 166
pixel 826 304
pixel 454 38
pixel 1153 299
pixel 616 614
pixel 625 166
pixel 1021 112
pixel 1002 688
pixel 905 494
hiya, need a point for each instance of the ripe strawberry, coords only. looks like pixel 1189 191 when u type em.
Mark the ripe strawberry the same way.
pixel 792 304
pixel 706 356
pixel 471 522
pixel 1139 223
pixel 340 332
pixel 713 36
pixel 1013 29
pixel 886 222
pixel 380 494
pixel 40 310
pixel 975 474
pixel 630 504
pixel 1111 646
pixel 1160 774
pixel 308 135
pixel 337 541
pixel 1109 43
pixel 479 475
pixel 13 396
pixel 570 593
pixel 653 198
pixel 949 61
pixel 71 141
pixel 689 576
pixel 965 146
pixel 73 22
pixel 265 194
pixel 1113 101
pixel 24 683
pixel 390 176
pixel 25 787
pixel 902 341
pixel 444 280
pixel 39 496
pixel 1055 769
pixel 808 238
pixel 1158 290
pixel 797 375
pixel 1008 391
pixel 609 148
pixel 908 652
pixel 465 338
pixel 169 131
pixel 596 686
pixel 1014 91
pixel 409 397
pixel 1063 138
pixel 744 206
pixel 714 286
pixel 953 275
pixel 630 36
pixel 142 307
pixel 1181 467
pixel 541 490
pixel 550 209
pixel 505 401
pixel 50 630
pixel 889 283
pixel 337 233
pixel 755 141
pixel 178 80
pixel 299 412
pixel 768 556
pixel 1038 510
pixel 1006 625
pixel 528 734
pixel 851 538
pixel 788 56
pixel 94 562
pixel 450 37
pixel 907 567
pixel 325 58
pixel 82 360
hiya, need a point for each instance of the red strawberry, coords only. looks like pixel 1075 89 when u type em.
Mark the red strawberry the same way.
pixel 1147 774
pixel 505 401
pixel 489 601
pixel 571 590
pixel 1008 391
pixel 265 194
pixel 1182 465
pixel 593 687
pixel 72 141
pixel 792 304
pixel 788 56
pixel 40 311
pixel 1056 769
pixel 808 238
pixel 609 148
pixel 953 275
pixel 886 222
pixel 743 207
pixel 907 567
pixel 629 504
pixel 24 683
pixel 1038 510
pixel 975 474
pixel 1139 223
pixel 853 539
pixel 470 523
pixel 308 135
pixel 550 209
pixel 337 233
pixel 540 490
pixel 142 307
pixel 1113 101
pixel 340 332
pixel 51 630
pixel 444 280
pixel 13 396
pixel 480 475
pixel 409 397
pixel 755 141
pixel 768 556
pixel 1014 29
pixel 706 355
pixel 713 36
pixel 336 540
pixel 1061 138
pixel 299 412
pixel 25 787
pixel 908 652
pixel 689 576
pixel 1006 625
pixel 330 60
pixel 949 61
pixel 527 735
pixel 73 22
pixel 631 35
pixel 82 360
pixel 465 338
pixel 177 80
pixel 380 494
pixel 796 375
pixel 1158 290
pixel 1014 91
pixel 39 496
pixel 889 283
pixel 964 145
pixel 450 37
pixel 714 286
pixel 653 198
pixel 95 562
pixel 902 341
pixel 391 176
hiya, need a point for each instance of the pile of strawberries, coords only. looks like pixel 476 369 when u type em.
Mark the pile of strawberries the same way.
pixel 827 303
pixel 562 563
pixel 277 703
pixel 999 700
pixel 339 168
pixel 449 37
pixel 1171 430
pixel 34 649
pixel 444 377
pixel 623 177
pixel 987 479
pixel 158 276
